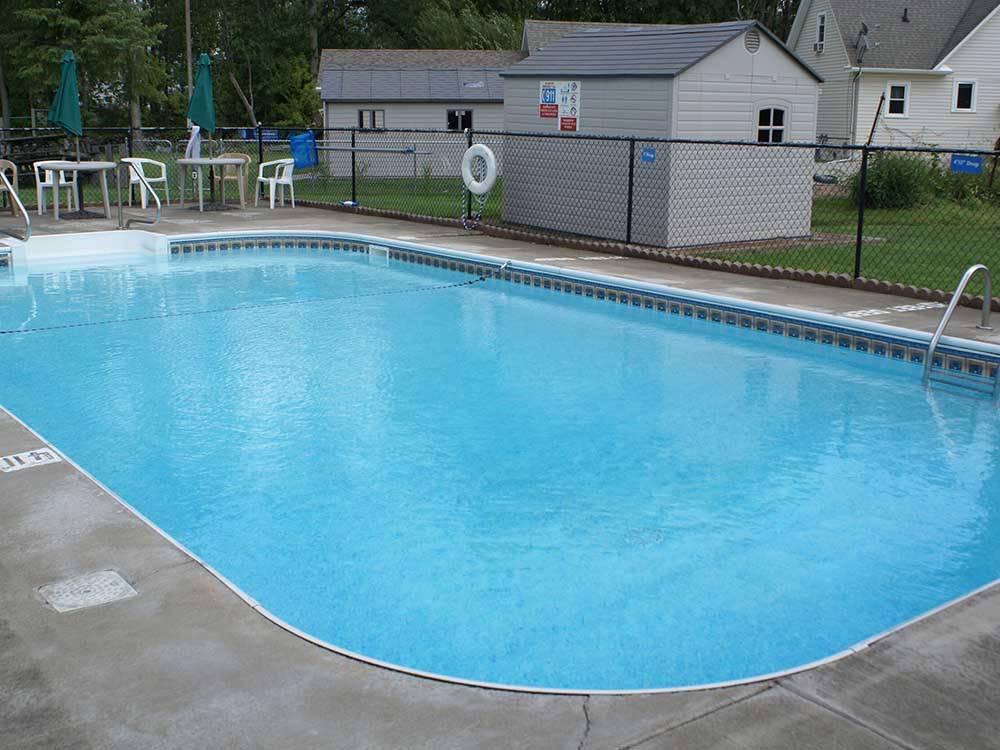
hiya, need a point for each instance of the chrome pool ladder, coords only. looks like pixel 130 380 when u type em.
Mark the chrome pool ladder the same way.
pixel 957 379
pixel 129 171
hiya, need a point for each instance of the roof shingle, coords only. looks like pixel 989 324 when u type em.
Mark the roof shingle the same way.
pixel 538 34
pixel 650 51
pixel 363 75
pixel 933 28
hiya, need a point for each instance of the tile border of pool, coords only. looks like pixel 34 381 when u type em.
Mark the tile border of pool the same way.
pixel 979 360
pixel 291 629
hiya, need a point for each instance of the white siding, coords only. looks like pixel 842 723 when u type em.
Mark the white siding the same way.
pixel 626 106
pixel 930 120
pixel 718 98
pixel 722 194
pixel 833 119
pixel 421 115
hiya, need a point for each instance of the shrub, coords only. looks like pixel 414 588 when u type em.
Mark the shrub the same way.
pixel 967 188
pixel 896 181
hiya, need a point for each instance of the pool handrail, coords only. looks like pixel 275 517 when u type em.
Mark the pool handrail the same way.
pixel 984 323
pixel 12 192
pixel 122 224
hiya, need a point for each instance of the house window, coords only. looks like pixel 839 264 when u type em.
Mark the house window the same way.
pixel 898 96
pixel 820 32
pixel 964 98
pixel 459 119
pixel 771 125
pixel 371 118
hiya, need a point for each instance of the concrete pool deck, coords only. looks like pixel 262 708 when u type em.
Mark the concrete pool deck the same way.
pixel 187 663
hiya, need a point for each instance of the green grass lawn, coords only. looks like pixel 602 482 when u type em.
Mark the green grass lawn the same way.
pixel 930 246
pixel 425 196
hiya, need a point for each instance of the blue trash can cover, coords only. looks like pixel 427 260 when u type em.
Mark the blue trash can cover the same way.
pixel 303 148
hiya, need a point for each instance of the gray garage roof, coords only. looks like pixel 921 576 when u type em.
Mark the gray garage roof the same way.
pixel 412 75
pixel 933 29
pixel 636 51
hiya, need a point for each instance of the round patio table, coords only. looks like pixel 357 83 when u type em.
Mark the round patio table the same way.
pixel 239 164
pixel 81 167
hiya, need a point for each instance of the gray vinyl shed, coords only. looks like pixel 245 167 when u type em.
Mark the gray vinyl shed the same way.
pixel 701 82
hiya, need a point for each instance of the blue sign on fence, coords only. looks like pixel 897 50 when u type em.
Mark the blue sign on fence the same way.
pixel 648 155
pixel 966 163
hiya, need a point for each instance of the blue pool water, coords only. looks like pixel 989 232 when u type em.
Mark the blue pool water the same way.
pixel 502 484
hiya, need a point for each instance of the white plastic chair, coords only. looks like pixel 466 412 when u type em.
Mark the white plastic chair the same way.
pixel 54 180
pixel 138 164
pixel 283 169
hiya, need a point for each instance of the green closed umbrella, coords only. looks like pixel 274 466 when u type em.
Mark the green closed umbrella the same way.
pixel 65 109
pixel 201 108
pixel 65 113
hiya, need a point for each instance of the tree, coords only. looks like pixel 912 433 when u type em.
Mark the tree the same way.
pixel 117 47
pixel 459 24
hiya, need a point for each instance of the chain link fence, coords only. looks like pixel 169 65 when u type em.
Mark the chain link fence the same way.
pixel 912 216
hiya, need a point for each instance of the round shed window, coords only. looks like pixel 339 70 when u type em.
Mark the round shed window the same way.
pixel 751 41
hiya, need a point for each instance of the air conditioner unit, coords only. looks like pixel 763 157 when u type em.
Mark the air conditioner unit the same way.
pixel 818 47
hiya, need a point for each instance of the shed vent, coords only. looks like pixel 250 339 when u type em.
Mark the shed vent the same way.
pixel 752 41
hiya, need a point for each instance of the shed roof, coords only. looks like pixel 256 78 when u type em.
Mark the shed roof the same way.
pixel 932 30
pixel 414 75
pixel 538 34
pixel 665 50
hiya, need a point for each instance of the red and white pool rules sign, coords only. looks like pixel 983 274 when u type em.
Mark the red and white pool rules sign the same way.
pixel 560 99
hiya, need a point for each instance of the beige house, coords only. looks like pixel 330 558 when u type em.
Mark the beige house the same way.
pixel 937 63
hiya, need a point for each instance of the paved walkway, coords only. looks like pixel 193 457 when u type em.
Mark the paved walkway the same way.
pixel 187 663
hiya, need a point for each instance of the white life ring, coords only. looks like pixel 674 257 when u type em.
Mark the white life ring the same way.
pixel 479 187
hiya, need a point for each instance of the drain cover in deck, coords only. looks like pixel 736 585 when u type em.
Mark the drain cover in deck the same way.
pixel 88 590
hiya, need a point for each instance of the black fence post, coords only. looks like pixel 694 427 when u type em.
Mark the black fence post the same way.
pixel 128 142
pixel 260 144
pixel 631 185
pixel 862 197
pixel 354 167
pixel 468 193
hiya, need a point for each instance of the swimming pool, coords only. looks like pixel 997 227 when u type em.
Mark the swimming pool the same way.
pixel 530 480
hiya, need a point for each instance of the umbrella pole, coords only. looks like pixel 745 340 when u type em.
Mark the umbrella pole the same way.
pixel 211 174
pixel 79 182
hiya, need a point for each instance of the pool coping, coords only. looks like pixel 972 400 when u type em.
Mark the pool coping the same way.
pixel 500 264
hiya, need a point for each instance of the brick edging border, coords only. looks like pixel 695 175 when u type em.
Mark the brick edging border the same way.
pixel 662 255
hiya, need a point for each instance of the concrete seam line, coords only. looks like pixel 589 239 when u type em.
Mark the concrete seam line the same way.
pixel 668 729
pixel 586 726
pixel 815 700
